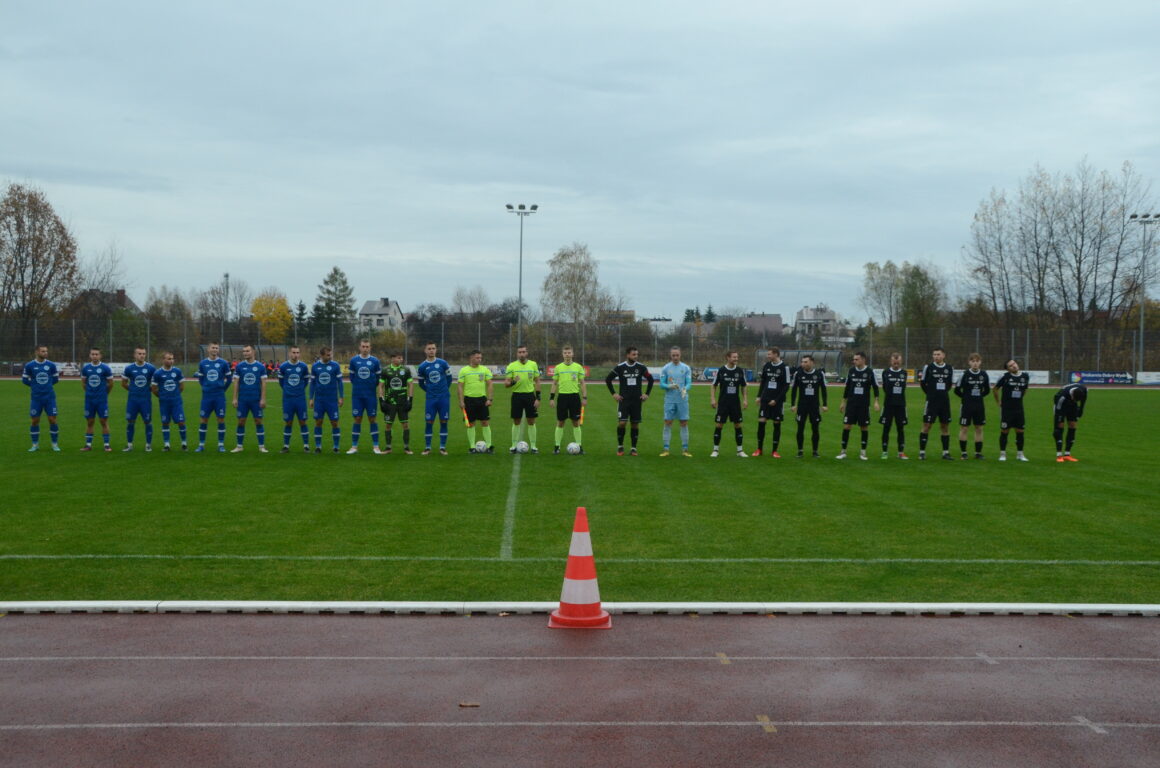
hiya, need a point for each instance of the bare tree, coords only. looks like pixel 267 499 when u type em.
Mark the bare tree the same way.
pixel 470 301
pixel 38 255
pixel 104 272
pixel 881 292
pixel 241 298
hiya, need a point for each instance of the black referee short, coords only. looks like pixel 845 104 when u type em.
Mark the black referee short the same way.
pixel 523 404
pixel 477 409
pixel 568 406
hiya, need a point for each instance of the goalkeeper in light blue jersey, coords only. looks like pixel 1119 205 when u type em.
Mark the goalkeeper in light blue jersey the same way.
pixel 676 378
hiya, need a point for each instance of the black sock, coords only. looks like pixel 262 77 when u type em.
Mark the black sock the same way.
pixel 760 434
pixel 815 437
pixel 946 443
pixel 978 446
pixel 717 437
pixel 865 439
pixel 776 437
pixel 1070 438
pixel 739 440
pixel 1019 441
pixel 801 436
pixel 620 436
pixel 901 441
pixel 922 438
pixel 845 439
pixel 635 435
pixel 885 439
pixel 1002 441
pixel 1058 434
pixel 963 446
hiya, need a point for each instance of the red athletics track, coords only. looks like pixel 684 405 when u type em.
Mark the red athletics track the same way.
pixel 168 690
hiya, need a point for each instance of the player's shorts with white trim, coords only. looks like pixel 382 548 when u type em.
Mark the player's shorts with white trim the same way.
pixel 972 413
pixel 139 407
pixel 1011 419
pixel 364 403
pixel 45 404
pixel 771 410
pixel 171 411
pixel 325 408
pixel 728 410
pixel 214 405
pixel 568 406
pixel 294 406
pixel 857 413
pixel 438 407
pixel 477 409
pixel 812 412
pixel 937 410
pixel 629 410
pixel 249 407
pixel 676 410
pixel 1066 410
pixel 524 405
pixel 895 414
pixel 96 408
pixel 392 410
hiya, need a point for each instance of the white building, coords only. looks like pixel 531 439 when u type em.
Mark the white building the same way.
pixel 381 315
pixel 818 323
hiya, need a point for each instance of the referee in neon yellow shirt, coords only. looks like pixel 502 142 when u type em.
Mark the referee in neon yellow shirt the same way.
pixel 523 377
pixel 568 381
pixel 475 396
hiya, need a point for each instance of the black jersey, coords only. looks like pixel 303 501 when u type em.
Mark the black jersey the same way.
pixel 859 384
pixel 894 386
pixel 631 377
pixel 808 387
pixel 936 381
pixel 776 379
pixel 1012 389
pixel 730 381
pixel 1071 398
pixel 973 386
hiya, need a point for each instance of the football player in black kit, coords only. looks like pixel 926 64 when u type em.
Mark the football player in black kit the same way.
pixel 1069 403
pixel 732 401
pixel 973 387
pixel 936 379
pixel 631 375
pixel 856 401
pixel 1009 392
pixel 773 389
pixel 894 405
pixel 808 401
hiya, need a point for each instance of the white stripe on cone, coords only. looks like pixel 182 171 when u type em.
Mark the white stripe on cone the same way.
pixel 581 544
pixel 582 592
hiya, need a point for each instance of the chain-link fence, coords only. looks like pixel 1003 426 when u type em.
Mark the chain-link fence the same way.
pixel 596 346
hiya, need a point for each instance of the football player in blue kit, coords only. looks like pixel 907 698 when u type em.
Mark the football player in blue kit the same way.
pixel 294 377
pixel 137 379
pixel 97 380
pixel 435 381
pixel 40 376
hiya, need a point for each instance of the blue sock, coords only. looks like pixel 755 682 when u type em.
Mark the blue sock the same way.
pixel 221 433
pixel 130 431
pixel 165 433
pixel 318 437
pixel 181 431
pixel 336 435
pixel 261 430
pixel 286 432
pixel 375 434
pixel 105 437
pixel 241 434
pixel 305 435
pixel 201 434
pixel 442 435
pixel 427 433
pixel 148 433
pixel 34 433
pixel 354 435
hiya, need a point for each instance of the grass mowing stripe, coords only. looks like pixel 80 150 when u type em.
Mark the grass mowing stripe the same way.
pixel 509 515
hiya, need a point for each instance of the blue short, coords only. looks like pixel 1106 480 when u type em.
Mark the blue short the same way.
pixel 438 406
pixel 96 408
pixel 678 411
pixel 327 408
pixel 172 410
pixel 367 402
pixel 45 404
pixel 294 406
pixel 214 405
pixel 246 407
pixel 136 407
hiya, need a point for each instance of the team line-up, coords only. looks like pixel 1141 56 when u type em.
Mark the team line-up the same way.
pixel 318 389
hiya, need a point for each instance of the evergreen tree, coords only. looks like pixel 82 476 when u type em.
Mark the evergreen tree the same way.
pixel 334 304
pixel 710 315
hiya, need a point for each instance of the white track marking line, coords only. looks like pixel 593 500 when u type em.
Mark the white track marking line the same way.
pixel 719 658
pixel 509 512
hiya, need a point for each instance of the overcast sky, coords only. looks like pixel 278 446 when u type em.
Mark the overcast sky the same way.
pixel 749 154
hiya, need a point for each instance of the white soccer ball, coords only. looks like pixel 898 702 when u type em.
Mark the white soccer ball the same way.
pixel 573 448
pixel 481 447
pixel 522 447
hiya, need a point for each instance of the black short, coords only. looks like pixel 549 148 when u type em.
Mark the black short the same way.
pixel 893 414
pixel 857 413
pixel 628 409
pixel 771 410
pixel 973 413
pixel 1011 419
pixel 937 410
pixel 477 409
pixel 568 406
pixel 811 412
pixel 1066 410
pixel 523 404
pixel 400 410
pixel 728 410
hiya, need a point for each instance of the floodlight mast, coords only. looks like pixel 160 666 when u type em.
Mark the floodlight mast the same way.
pixel 1143 219
pixel 523 211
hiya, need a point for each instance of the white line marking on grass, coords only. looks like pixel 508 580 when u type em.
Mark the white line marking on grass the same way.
pixel 1075 723
pixel 506 546
pixel 509 512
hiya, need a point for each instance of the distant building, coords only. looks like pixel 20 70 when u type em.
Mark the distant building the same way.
pixel 93 302
pixel 819 324
pixel 616 317
pixel 381 315
pixel 768 324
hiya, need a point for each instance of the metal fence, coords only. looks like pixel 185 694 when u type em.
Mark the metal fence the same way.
pixel 596 346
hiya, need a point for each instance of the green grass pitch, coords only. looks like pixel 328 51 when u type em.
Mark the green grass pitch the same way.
pixel 173 526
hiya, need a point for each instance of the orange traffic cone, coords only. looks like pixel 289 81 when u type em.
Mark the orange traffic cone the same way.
pixel 580 598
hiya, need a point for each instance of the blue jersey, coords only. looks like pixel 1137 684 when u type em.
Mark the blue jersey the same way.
pixel 215 376
pixel 364 375
pixel 249 376
pixel 96 377
pixel 168 381
pixel 325 381
pixel 293 377
pixel 41 377
pixel 140 378
pixel 679 374
pixel 435 377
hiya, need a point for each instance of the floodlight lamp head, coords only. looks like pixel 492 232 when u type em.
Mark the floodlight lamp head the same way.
pixel 510 207
pixel 534 207
pixel 521 206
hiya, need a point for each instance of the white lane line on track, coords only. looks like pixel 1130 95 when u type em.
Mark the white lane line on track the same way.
pixel 1076 722
pixel 509 512
pixel 716 658
pixel 627 560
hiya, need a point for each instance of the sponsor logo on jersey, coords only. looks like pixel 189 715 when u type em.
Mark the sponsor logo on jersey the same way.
pixel 42 378
pixel 434 376
pixel 294 379
pixel 211 374
pixel 324 377
pixel 170 385
pixel 250 379
pixel 141 381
